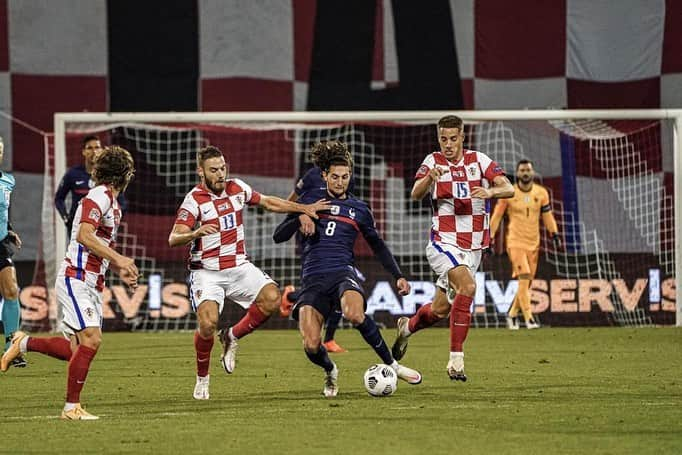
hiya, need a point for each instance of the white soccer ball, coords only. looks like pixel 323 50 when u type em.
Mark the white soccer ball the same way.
pixel 381 380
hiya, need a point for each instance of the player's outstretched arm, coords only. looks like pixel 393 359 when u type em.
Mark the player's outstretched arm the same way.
pixel 383 253
pixel 423 185
pixel 86 237
pixel 279 205
pixel 286 228
pixel 183 234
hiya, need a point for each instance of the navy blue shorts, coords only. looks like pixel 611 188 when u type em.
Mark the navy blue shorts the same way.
pixel 323 291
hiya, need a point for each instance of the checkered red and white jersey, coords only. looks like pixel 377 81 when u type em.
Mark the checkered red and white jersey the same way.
pixel 459 219
pixel 100 209
pixel 225 248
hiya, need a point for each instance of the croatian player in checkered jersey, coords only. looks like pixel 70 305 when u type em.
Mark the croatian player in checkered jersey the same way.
pixel 210 219
pixel 80 280
pixel 329 279
pixel 459 182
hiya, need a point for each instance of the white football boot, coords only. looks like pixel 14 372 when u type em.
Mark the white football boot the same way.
pixel 331 386
pixel 201 388
pixel 455 367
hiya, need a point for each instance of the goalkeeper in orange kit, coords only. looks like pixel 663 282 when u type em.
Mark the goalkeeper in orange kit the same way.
pixel 530 201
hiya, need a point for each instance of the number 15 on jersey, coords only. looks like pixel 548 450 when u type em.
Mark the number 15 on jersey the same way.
pixel 462 189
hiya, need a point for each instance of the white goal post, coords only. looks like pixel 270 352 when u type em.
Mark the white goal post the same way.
pixel 556 117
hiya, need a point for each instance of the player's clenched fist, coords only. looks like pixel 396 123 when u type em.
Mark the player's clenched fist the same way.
pixel 403 286
pixel 481 193
pixel 307 225
pixel 435 173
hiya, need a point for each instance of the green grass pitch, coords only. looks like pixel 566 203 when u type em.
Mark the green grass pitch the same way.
pixel 605 390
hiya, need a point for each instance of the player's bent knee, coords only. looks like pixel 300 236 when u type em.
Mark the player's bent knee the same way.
pixel 312 344
pixel 269 299
pixel 441 313
pixel 355 318
pixel 208 324
pixel 91 339
pixel 468 289
pixel 11 293
pixel 9 288
pixel 207 329
pixel 440 307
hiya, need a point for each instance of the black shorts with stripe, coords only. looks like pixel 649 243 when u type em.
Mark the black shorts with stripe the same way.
pixel 323 291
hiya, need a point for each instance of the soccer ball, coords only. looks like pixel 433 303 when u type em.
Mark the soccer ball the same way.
pixel 380 380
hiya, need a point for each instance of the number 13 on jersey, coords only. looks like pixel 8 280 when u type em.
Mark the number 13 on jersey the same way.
pixel 227 222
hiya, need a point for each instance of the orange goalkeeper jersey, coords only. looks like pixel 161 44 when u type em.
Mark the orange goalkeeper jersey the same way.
pixel 524 211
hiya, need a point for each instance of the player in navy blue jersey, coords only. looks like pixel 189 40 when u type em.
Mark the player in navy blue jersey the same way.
pixel 313 184
pixel 77 182
pixel 329 280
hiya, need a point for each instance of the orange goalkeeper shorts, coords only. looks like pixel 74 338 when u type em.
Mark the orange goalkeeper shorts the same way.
pixel 523 261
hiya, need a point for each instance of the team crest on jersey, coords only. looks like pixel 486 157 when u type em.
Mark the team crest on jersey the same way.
pixel 89 312
pixel 335 209
pixel 472 170
pixel 240 199
pixel 94 215
pixel 351 212
pixel 526 199
pixel 198 293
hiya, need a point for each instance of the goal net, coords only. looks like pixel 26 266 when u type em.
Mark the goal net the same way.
pixel 611 179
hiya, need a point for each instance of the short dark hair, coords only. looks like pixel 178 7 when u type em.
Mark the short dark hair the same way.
pixel 329 153
pixel 207 153
pixel 88 138
pixel 524 161
pixel 451 121
pixel 114 166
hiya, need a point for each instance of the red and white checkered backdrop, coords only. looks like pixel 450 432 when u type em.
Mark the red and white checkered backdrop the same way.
pixel 225 55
